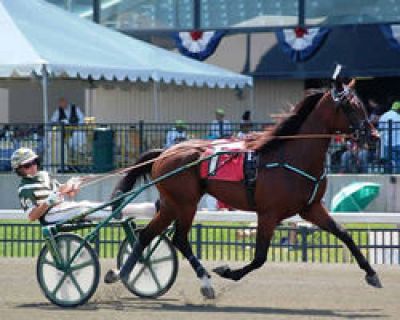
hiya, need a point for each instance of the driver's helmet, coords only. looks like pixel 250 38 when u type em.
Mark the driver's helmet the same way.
pixel 22 156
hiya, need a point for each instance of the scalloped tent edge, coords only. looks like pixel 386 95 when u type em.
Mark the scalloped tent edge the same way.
pixel 89 51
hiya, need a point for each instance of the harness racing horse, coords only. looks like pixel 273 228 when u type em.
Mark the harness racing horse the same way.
pixel 291 180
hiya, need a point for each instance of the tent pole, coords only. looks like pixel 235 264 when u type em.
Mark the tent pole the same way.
pixel 155 101
pixel 44 93
pixel 46 155
pixel 252 101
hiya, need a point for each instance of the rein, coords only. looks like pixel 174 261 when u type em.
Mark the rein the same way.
pixel 92 179
pixel 316 136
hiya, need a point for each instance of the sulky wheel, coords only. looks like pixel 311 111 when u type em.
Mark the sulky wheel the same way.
pixel 68 285
pixel 155 272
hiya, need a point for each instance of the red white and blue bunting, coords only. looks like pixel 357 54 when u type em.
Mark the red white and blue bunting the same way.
pixel 198 44
pixel 301 43
pixel 392 34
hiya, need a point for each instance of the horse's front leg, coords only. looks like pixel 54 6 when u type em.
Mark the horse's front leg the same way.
pixel 318 215
pixel 265 231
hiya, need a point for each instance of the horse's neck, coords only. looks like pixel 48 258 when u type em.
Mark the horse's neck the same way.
pixel 311 153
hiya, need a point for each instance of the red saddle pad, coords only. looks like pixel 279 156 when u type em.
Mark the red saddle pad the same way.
pixel 226 167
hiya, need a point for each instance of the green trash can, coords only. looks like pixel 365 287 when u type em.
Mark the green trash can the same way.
pixel 103 150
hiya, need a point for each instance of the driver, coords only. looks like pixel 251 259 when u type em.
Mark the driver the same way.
pixel 43 198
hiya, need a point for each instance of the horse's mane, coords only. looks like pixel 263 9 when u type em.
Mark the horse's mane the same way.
pixel 268 140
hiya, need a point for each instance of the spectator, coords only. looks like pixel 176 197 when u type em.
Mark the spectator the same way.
pixel 354 159
pixel 70 114
pixel 67 113
pixel 176 134
pixel 245 125
pixel 220 127
pixel 375 111
pixel 7 132
pixel 391 136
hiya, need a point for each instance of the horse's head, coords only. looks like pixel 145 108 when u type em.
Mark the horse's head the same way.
pixel 351 116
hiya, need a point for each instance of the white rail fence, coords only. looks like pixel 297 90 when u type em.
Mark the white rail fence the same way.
pixel 246 216
pixel 385 244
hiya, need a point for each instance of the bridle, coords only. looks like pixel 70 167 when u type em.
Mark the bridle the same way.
pixel 345 99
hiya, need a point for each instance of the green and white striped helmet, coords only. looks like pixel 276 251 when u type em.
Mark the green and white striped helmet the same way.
pixel 22 156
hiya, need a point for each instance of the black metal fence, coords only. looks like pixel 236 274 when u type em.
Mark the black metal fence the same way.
pixel 103 147
pixel 231 243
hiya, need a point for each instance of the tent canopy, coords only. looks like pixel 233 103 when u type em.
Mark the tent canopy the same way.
pixel 39 37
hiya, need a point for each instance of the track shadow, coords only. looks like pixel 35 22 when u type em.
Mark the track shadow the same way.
pixel 173 306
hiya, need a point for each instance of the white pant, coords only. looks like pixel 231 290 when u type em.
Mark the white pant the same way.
pixel 70 209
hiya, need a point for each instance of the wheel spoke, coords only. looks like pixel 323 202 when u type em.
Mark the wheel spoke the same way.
pixel 147 265
pixel 50 263
pixel 77 286
pixel 61 253
pixel 140 272
pixel 151 249
pixel 81 265
pixel 68 253
pixel 155 278
pixel 160 260
pixel 59 284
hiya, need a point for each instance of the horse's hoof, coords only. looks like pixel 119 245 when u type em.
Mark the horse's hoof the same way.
pixel 208 292
pixel 374 281
pixel 222 271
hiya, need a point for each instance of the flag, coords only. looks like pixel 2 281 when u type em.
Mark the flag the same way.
pixel 301 43
pixel 198 44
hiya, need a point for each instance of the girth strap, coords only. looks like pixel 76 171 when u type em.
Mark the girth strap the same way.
pixel 250 167
pixel 316 181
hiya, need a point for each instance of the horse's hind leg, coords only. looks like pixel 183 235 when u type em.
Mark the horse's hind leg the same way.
pixel 180 240
pixel 318 215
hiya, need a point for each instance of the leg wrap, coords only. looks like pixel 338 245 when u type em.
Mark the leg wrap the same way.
pixel 197 267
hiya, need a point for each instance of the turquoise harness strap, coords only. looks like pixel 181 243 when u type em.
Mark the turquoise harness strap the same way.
pixel 287 166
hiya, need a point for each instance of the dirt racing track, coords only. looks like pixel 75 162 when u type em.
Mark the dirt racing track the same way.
pixel 277 291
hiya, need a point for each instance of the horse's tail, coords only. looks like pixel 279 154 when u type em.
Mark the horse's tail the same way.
pixel 128 181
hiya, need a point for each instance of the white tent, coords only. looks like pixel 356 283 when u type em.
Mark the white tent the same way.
pixel 40 39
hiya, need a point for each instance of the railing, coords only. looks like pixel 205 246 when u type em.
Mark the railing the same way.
pixel 230 242
pixel 103 147
pixel 233 238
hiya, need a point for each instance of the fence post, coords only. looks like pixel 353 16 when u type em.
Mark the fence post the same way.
pixel 62 149
pixel 389 146
pixel 96 242
pixel 141 136
pixel 198 240
pixel 303 232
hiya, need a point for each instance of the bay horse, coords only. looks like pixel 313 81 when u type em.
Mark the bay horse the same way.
pixel 291 180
